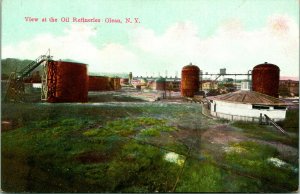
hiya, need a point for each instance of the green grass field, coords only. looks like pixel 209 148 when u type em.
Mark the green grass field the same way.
pixel 139 147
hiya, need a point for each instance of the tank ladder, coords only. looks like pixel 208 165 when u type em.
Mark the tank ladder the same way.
pixel 15 87
pixel 49 81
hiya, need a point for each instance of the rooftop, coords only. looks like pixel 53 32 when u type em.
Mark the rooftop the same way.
pixel 249 97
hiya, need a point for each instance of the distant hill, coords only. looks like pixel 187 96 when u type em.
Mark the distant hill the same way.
pixel 121 75
pixel 11 65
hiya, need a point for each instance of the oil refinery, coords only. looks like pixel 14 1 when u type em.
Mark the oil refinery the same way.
pixel 99 129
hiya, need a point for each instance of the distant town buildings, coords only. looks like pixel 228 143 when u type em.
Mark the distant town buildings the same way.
pixel 288 88
pixel 209 85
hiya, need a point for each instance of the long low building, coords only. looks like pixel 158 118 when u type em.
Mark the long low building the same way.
pixel 247 106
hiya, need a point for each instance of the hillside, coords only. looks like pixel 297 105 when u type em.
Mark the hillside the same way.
pixel 12 64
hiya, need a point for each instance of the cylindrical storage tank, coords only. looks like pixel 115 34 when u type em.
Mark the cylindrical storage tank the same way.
pixel 160 84
pixel 114 83
pixel 33 78
pixel 265 79
pixel 110 83
pixel 67 82
pixel 98 83
pixel 36 78
pixel 117 83
pixel 189 80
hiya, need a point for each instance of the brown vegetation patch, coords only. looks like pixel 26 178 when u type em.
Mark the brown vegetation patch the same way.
pixel 94 157
pixel 185 133
pixel 6 125
pixel 222 134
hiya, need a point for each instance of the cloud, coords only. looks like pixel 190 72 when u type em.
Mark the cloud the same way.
pixel 180 38
pixel 115 58
pixel 75 44
pixel 231 46
pixel 69 45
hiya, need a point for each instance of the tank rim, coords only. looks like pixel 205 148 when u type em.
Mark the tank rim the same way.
pixel 190 67
pixel 160 79
pixel 72 62
pixel 266 65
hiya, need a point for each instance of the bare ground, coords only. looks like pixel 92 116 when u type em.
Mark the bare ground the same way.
pixel 224 134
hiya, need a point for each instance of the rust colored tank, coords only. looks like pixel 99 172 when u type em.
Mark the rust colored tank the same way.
pixel 160 84
pixel 117 83
pixel 33 78
pixel 98 83
pixel 114 83
pixel 189 80
pixel 67 82
pixel 265 79
pixel 110 83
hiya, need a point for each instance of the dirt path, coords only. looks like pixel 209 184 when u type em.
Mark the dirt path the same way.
pixel 224 134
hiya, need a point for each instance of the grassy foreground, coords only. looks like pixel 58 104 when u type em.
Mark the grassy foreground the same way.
pixel 137 147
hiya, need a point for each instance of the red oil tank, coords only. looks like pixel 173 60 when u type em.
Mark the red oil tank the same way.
pixel 33 78
pixel 189 80
pixel 160 84
pixel 98 83
pixel 114 83
pixel 110 83
pixel 117 83
pixel 265 79
pixel 67 82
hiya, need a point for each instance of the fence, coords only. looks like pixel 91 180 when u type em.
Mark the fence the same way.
pixel 206 110
pixel 237 117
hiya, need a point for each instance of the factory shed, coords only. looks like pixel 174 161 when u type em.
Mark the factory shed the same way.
pixel 247 106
